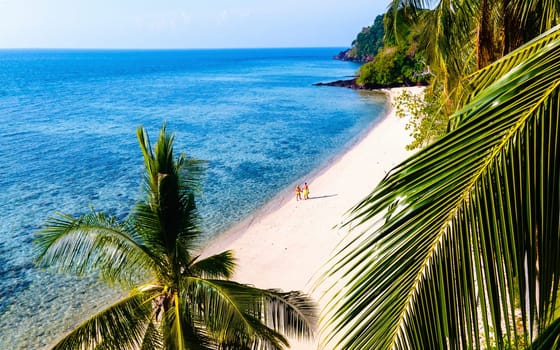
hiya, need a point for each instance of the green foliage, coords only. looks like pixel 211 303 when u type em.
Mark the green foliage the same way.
pixel 392 67
pixel 459 37
pixel 384 70
pixel 549 338
pixel 457 246
pixel 396 61
pixel 426 121
pixel 398 26
pixel 517 343
pixel 369 40
pixel 176 299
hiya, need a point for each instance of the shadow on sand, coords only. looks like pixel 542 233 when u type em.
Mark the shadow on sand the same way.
pixel 325 196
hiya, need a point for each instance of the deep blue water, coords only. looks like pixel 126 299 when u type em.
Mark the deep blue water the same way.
pixel 67 142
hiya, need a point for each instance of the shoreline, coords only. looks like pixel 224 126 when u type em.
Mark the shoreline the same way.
pixel 286 243
pixel 287 194
pixel 353 84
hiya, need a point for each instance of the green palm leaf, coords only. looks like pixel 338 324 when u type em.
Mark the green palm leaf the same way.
pixel 152 337
pixel 464 233
pixel 177 328
pixel 226 309
pixel 221 265
pixel 482 78
pixel 446 38
pixel 247 317
pixel 123 325
pixel 170 185
pixel 94 243
pixel 179 307
pixel 549 339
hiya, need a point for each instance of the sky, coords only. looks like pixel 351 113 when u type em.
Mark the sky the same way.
pixel 184 23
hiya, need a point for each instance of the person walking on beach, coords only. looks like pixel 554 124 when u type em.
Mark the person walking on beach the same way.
pixel 305 191
pixel 298 193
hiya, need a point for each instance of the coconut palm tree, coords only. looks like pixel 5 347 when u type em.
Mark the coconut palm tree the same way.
pixel 176 299
pixel 461 37
pixel 458 247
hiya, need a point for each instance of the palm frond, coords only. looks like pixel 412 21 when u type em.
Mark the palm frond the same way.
pixel 483 78
pixel 221 265
pixel 147 224
pixel 464 233
pixel 182 330
pixel 445 37
pixel 176 338
pixel 170 185
pixel 536 16
pixel 152 339
pixel 549 339
pixel 93 243
pixel 150 176
pixel 450 52
pixel 191 172
pixel 122 325
pixel 403 10
pixel 292 313
pixel 239 314
pixel 227 311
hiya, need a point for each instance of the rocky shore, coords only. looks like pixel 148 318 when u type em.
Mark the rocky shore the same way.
pixel 348 83
pixel 348 55
pixel 353 84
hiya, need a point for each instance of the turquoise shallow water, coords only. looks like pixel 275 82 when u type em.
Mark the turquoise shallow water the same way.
pixel 67 141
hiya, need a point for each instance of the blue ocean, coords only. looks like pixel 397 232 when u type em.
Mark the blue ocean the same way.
pixel 67 143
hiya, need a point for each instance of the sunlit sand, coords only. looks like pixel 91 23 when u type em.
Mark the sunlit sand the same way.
pixel 287 243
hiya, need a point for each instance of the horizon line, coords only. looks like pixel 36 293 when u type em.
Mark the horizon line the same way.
pixel 171 48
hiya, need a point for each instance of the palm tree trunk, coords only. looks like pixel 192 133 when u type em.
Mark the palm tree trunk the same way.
pixel 514 30
pixel 486 48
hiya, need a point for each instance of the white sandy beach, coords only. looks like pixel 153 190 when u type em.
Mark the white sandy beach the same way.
pixel 287 243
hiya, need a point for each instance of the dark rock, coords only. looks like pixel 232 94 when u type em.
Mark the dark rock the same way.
pixel 346 55
pixel 348 83
pixel 352 84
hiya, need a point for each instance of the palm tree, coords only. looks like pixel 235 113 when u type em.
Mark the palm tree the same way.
pixel 176 299
pixel 458 247
pixel 461 37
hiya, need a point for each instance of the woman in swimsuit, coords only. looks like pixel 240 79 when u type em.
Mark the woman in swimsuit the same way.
pixel 298 193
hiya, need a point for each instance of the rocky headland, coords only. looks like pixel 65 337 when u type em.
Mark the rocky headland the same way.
pixel 353 84
pixel 350 55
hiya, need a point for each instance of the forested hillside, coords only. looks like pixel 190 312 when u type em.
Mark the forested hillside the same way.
pixel 389 60
pixel 366 44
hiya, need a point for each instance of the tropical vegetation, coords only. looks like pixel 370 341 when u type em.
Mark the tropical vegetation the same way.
pixel 393 66
pixel 423 118
pixel 388 62
pixel 368 41
pixel 457 247
pixel 399 61
pixel 175 299
pixel 458 38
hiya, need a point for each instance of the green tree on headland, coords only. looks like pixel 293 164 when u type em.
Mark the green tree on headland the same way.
pixel 460 242
pixel 392 66
pixel 389 62
pixel 176 299
pixel 368 41
pixel 458 38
